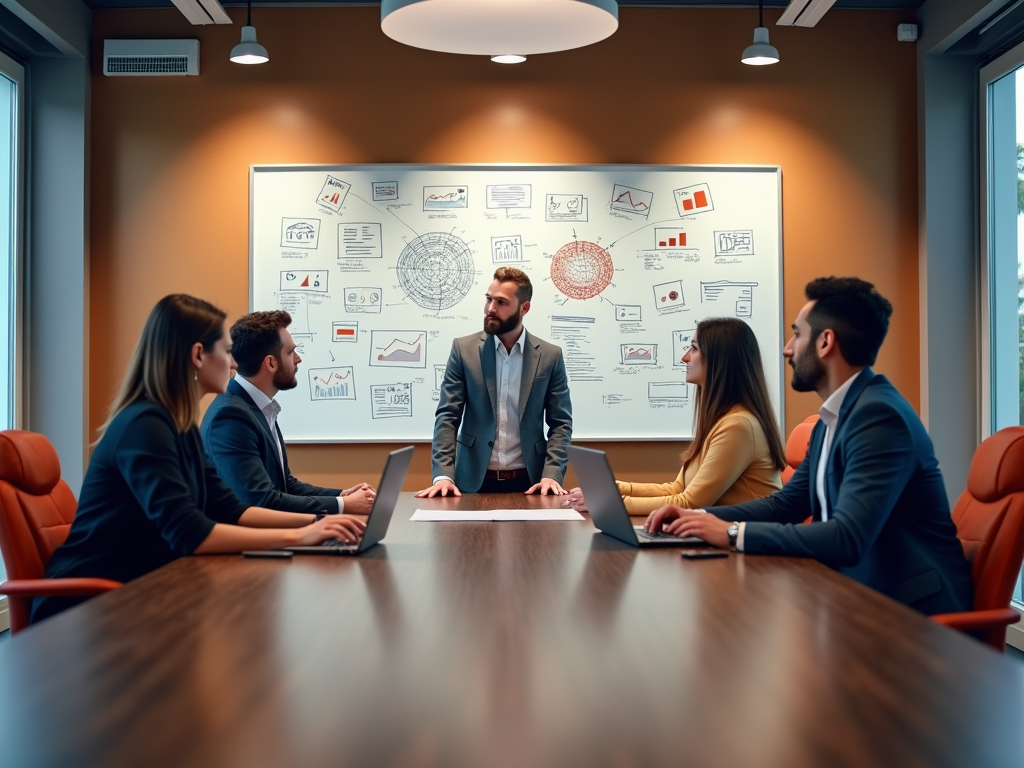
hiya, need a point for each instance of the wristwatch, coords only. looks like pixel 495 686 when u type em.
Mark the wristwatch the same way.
pixel 733 531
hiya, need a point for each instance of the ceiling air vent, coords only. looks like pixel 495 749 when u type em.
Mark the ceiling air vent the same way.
pixel 134 58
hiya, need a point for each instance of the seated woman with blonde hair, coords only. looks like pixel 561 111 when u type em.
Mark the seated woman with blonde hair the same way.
pixel 149 495
pixel 737 451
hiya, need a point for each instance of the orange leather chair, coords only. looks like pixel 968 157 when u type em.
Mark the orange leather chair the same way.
pixel 796 446
pixel 36 510
pixel 989 517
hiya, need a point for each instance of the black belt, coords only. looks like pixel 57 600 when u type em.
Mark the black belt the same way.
pixel 506 474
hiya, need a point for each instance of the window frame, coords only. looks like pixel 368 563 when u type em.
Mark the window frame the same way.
pixel 16 72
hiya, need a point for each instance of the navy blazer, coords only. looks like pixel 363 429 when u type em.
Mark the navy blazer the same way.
pixel 889 525
pixel 239 443
pixel 148 497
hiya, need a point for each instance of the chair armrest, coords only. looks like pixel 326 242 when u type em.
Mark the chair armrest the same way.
pixel 57 587
pixel 973 621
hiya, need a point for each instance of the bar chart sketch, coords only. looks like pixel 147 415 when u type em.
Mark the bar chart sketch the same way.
pixel 506 249
pixel 332 383
pixel 694 199
pixel 724 291
pixel 669 238
pixel 638 354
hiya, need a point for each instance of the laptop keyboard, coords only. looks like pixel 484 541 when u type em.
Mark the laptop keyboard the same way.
pixel 643 533
pixel 337 544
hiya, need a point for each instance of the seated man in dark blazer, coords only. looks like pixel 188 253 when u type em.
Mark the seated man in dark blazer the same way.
pixel 870 480
pixel 240 431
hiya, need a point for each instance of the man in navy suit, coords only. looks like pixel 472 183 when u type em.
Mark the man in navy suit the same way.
pixel 240 430
pixel 870 481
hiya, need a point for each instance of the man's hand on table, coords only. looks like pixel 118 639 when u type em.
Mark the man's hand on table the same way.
pixel 576 500
pixel 546 486
pixel 442 487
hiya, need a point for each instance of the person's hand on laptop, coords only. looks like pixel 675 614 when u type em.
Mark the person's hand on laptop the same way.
pixel 359 502
pixel 677 521
pixel 546 486
pixel 443 487
pixel 576 501
pixel 345 527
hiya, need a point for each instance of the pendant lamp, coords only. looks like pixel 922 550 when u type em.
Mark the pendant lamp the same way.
pixel 760 52
pixel 249 51
pixel 499 28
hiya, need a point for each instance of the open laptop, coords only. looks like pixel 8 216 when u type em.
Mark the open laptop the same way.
pixel 377 523
pixel 606 507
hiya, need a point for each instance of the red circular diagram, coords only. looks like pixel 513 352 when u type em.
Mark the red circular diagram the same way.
pixel 581 269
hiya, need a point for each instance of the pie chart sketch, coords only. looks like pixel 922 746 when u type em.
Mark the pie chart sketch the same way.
pixel 581 269
pixel 436 270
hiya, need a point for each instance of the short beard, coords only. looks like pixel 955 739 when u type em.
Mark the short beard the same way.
pixel 504 326
pixel 808 372
pixel 284 382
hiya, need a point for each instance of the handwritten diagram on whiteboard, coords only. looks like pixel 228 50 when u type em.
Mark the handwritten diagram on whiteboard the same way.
pixel 382 266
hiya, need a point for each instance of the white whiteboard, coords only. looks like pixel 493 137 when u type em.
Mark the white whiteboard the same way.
pixel 381 266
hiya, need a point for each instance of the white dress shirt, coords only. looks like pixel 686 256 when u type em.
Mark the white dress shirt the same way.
pixel 507 451
pixel 829 413
pixel 270 409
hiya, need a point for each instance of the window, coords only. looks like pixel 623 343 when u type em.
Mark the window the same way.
pixel 12 77
pixel 1003 249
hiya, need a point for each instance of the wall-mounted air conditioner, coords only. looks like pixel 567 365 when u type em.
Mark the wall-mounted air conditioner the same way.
pixel 134 58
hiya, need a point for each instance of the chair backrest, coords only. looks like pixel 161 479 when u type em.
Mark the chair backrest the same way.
pixel 36 506
pixel 989 517
pixel 796 445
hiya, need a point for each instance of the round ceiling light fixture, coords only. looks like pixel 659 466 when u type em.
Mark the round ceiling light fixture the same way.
pixel 508 58
pixel 484 28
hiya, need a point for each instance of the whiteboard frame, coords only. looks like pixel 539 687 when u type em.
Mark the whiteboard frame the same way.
pixel 602 167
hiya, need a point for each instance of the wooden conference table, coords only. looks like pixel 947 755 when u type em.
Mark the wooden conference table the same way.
pixel 502 644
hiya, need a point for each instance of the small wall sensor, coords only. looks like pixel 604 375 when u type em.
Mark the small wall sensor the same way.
pixel 906 33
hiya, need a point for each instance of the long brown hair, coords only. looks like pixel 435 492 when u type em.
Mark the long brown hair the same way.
pixel 161 367
pixel 733 376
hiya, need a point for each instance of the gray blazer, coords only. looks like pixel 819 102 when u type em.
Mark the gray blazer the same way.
pixel 469 399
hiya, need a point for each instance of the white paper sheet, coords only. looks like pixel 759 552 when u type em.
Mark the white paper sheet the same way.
pixel 450 515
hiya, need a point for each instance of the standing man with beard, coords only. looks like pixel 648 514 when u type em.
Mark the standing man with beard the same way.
pixel 870 481
pixel 500 386
pixel 241 434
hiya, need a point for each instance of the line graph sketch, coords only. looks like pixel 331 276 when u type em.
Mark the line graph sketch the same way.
pixel 398 349
pixel 445 198
pixel 581 269
pixel 436 270
pixel 638 354
pixel 631 200
pixel 724 290
pixel 332 383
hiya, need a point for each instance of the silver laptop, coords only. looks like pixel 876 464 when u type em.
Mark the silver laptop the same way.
pixel 606 507
pixel 377 523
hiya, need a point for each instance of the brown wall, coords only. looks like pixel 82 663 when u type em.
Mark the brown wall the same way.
pixel 170 156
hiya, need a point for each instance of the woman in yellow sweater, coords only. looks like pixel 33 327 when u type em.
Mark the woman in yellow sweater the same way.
pixel 737 451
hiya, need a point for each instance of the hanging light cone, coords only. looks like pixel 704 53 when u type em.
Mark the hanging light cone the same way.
pixel 249 51
pixel 760 52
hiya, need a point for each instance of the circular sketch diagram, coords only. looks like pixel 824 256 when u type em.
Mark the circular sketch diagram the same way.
pixel 436 270
pixel 581 269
